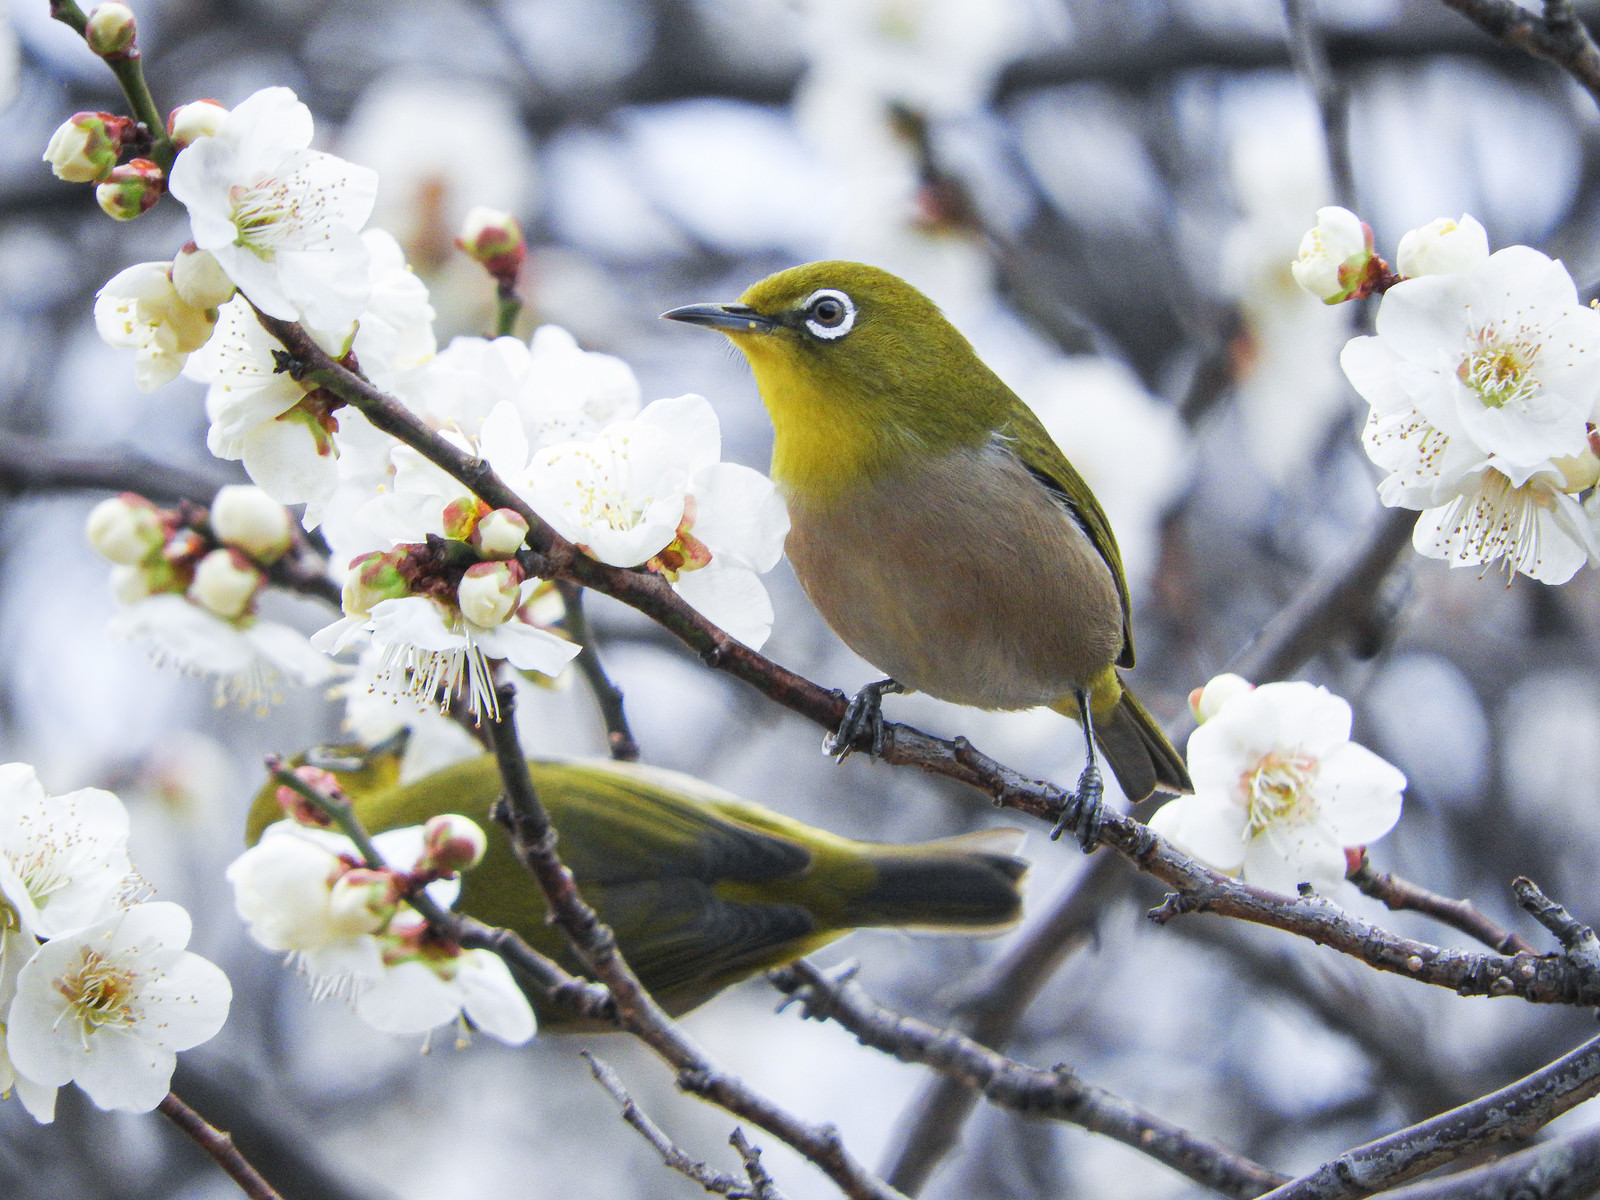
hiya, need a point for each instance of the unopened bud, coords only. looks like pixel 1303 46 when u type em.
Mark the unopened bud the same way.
pixel 225 582
pixel 363 900
pixel 499 533
pixel 246 517
pixel 371 579
pixel 1334 256
pixel 1443 247
pixel 199 278
pixel 490 592
pixel 131 189
pixel 451 843
pixel 125 529
pixel 111 31
pixel 460 517
pixel 1206 702
pixel 301 809
pixel 495 240
pixel 198 119
pixel 85 147
pixel 1579 472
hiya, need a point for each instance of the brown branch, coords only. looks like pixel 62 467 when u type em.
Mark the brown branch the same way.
pixel 1514 1113
pixel 932 1124
pixel 219 1146
pixel 1401 895
pixel 1056 1093
pixel 33 464
pixel 534 838
pixel 1564 1169
pixel 1558 36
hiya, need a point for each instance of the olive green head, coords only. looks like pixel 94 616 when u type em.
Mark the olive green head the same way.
pixel 856 368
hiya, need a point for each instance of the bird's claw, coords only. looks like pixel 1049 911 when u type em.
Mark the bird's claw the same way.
pixel 864 713
pixel 1081 812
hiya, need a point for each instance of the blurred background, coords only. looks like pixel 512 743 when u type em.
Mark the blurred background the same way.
pixel 1105 198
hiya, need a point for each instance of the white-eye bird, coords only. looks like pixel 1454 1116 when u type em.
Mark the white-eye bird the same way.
pixel 935 524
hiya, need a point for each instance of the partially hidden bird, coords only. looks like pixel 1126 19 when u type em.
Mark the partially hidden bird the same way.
pixel 701 888
pixel 934 523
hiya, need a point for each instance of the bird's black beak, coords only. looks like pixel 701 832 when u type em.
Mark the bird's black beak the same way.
pixel 729 318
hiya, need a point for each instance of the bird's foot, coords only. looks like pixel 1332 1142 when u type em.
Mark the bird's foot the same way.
pixel 1081 812
pixel 864 714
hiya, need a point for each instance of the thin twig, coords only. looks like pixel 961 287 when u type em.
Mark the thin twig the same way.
pixel 1010 1084
pixel 219 1146
pixel 1401 895
pixel 619 737
pixel 674 1158
pixel 1309 53
pixel 1512 1114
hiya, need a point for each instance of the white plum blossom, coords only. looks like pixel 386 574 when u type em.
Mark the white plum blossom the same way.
pixel 395 333
pixel 424 987
pixel 1483 385
pixel 261 416
pixel 1334 254
pixel 139 309
pixel 108 1006
pixel 359 942
pixel 63 859
pixel 1443 247
pixel 431 652
pixel 249 656
pixel 653 491
pixel 16 949
pixel 1280 790
pixel 283 220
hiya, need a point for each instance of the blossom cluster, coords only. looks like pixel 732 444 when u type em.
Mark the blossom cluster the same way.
pixel 96 988
pixel 1483 377
pixel 1281 793
pixel 431 576
pixel 308 892
pixel 189 580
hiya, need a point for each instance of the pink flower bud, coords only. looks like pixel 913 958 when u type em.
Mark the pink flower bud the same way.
pixel 1206 702
pixel 131 189
pixel 461 517
pixel 301 810
pixel 495 240
pixel 111 31
pixel 451 843
pixel 499 533
pixel 371 579
pixel 248 518
pixel 125 529
pixel 226 583
pixel 489 592
pixel 86 146
pixel 198 119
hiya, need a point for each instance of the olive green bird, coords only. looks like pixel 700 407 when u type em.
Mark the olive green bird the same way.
pixel 702 889
pixel 935 525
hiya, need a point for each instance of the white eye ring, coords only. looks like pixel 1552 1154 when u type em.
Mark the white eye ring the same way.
pixel 832 329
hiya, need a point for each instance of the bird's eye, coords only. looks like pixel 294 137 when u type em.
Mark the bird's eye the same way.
pixel 829 313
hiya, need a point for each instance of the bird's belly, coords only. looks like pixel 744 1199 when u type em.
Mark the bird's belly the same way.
pixel 966 582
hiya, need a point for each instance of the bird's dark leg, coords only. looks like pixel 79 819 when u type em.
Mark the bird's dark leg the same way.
pixel 1081 810
pixel 864 713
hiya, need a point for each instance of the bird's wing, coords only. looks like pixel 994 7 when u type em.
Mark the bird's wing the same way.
pixel 1034 448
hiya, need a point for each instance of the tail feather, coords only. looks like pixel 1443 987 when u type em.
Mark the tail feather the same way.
pixel 957 883
pixel 1141 757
